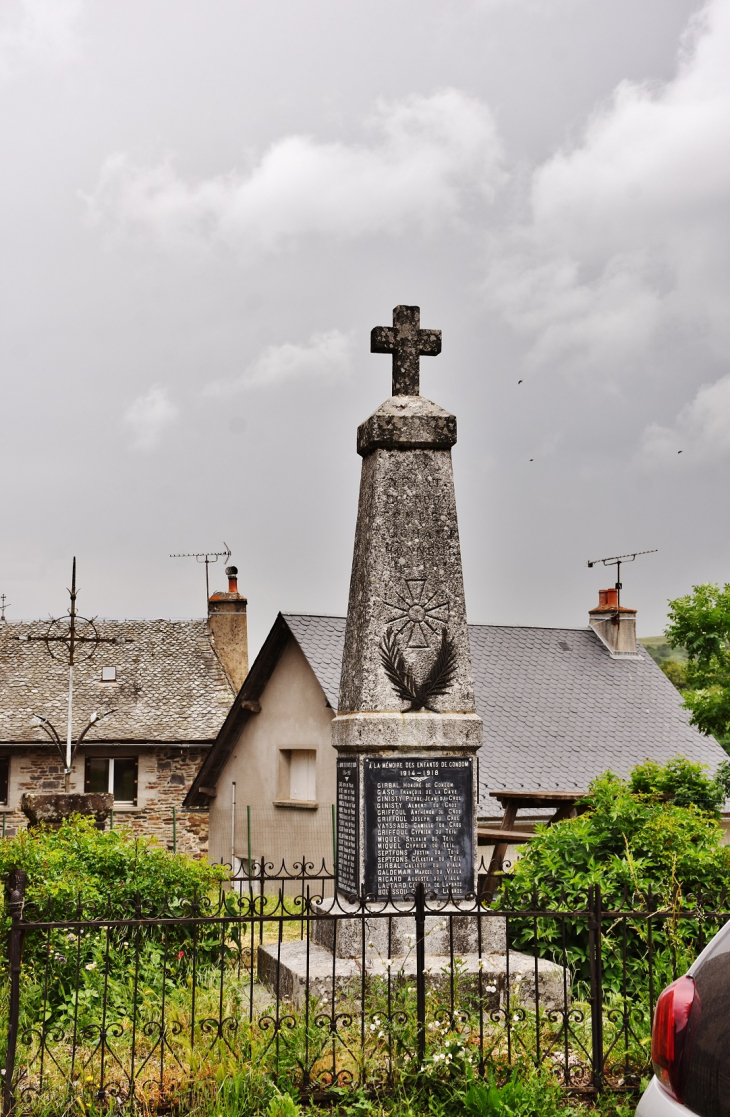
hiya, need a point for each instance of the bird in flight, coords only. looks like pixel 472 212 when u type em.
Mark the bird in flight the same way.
pixel 519 381
pixel 679 451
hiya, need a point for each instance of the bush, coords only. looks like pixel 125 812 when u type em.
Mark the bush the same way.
pixel 634 843
pixel 685 783
pixel 80 872
pixel 107 871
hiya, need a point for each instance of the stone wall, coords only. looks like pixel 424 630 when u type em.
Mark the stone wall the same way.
pixel 164 776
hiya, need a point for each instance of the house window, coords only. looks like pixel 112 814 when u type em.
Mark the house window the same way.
pixel 303 775
pixel 4 774
pixel 117 774
pixel 108 674
pixel 297 777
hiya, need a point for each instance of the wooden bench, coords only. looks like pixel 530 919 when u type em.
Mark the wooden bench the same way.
pixel 563 804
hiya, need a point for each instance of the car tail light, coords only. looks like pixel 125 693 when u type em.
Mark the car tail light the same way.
pixel 670 1034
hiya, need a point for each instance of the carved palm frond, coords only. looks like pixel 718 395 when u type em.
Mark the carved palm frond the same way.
pixel 437 681
pixel 441 675
pixel 397 669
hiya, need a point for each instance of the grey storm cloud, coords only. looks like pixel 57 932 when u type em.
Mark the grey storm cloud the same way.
pixel 208 207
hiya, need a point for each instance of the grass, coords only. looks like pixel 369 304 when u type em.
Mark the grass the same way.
pixel 228 1065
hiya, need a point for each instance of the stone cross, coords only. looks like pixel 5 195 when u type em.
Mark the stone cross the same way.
pixel 407 342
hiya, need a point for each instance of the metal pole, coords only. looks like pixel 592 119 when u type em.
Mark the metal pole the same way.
pixel 233 826
pixel 71 650
pixel 421 972
pixel 67 773
pixel 16 883
pixel 594 946
pixel 248 827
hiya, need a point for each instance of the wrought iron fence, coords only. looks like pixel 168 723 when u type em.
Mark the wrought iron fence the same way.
pixel 321 993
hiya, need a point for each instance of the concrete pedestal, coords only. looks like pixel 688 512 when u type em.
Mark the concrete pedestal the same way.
pixel 289 968
pixel 53 808
pixel 337 955
pixel 391 930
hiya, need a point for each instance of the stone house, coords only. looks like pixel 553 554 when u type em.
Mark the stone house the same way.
pixel 169 685
pixel 559 706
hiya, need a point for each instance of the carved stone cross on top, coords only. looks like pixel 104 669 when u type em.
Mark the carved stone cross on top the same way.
pixel 407 342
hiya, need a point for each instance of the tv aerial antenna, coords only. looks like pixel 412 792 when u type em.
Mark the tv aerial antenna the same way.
pixel 207 557
pixel 616 560
pixel 73 639
pixel 4 604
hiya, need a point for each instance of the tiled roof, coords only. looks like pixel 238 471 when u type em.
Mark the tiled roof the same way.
pixel 557 709
pixel 322 639
pixel 170 684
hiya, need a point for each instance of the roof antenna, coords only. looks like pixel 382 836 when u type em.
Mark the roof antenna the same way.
pixel 616 560
pixel 207 557
pixel 72 639
pixel 4 604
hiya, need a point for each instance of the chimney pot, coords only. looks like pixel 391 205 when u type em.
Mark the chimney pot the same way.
pixel 232 572
pixel 614 624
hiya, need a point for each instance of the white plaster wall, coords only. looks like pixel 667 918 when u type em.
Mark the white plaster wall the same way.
pixel 294 715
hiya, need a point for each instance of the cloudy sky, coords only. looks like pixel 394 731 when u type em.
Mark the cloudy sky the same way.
pixel 207 204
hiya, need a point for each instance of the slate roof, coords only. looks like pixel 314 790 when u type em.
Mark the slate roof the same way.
pixel 322 639
pixel 170 684
pixel 557 709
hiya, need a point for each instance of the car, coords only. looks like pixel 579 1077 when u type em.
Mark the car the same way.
pixel 690 1040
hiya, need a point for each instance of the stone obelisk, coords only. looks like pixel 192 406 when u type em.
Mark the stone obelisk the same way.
pixel 407 731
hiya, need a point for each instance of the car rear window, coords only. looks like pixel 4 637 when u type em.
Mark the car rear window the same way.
pixel 707 1080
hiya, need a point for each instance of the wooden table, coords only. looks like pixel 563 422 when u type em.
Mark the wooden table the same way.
pixel 562 802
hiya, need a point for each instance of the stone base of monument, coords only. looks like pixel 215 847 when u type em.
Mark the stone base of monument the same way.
pixel 332 961
pixel 391 930
pixel 53 808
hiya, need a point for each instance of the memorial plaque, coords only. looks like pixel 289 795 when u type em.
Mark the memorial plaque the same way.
pixel 419 826
pixel 347 826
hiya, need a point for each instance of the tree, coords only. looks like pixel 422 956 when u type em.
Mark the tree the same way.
pixel 675 672
pixel 700 622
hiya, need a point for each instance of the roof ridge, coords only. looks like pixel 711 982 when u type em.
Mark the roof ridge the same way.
pixel 317 616
pixel 101 617
pixel 470 624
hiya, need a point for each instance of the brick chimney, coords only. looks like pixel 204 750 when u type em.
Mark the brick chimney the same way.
pixel 228 626
pixel 614 624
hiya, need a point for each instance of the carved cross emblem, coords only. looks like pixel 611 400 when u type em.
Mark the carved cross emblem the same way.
pixel 418 612
pixel 408 343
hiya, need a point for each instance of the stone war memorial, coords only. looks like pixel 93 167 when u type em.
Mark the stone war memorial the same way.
pixel 406 732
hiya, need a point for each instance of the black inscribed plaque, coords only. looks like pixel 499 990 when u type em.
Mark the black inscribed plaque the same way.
pixel 419 826
pixel 347 827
